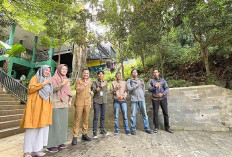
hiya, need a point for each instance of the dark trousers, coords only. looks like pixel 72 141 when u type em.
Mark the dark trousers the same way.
pixel 99 108
pixel 164 106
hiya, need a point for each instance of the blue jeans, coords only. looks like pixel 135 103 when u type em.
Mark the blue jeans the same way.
pixel 123 106
pixel 142 106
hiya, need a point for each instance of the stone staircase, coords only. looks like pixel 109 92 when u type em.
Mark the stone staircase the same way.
pixel 11 112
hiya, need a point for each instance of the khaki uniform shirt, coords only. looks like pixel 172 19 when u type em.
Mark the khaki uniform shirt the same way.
pixel 84 97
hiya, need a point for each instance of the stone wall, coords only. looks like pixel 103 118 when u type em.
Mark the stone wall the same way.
pixel 206 108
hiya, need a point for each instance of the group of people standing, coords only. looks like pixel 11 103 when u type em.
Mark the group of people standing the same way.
pixel 46 113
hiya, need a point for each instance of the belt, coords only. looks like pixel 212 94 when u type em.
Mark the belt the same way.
pixel 157 98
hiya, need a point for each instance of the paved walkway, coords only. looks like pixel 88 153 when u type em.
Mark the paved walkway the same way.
pixel 163 144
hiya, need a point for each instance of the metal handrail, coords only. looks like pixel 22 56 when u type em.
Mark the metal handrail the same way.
pixel 13 87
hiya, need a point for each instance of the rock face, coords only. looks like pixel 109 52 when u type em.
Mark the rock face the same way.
pixel 206 108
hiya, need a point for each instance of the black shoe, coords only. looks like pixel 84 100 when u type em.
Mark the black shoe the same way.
pixel 74 141
pixel 103 132
pixel 155 130
pixel 169 130
pixel 133 132
pixel 86 138
pixel 148 131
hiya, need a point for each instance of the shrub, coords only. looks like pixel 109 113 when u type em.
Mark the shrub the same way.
pixel 179 83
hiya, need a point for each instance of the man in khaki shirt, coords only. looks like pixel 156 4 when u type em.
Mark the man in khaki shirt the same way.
pixel 82 106
pixel 119 91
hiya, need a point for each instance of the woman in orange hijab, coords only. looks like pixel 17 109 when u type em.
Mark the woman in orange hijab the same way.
pixel 62 98
pixel 38 112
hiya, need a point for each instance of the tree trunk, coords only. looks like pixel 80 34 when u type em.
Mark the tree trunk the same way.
pixel 121 60
pixel 59 55
pixel 123 75
pixel 205 55
pixel 143 62
pixel 79 61
pixel 5 65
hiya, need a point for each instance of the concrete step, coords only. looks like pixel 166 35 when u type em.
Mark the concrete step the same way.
pixel 5 95
pixel 11 117
pixel 11 112
pixel 10 131
pixel 9 124
pixel 5 102
pixel 7 98
pixel 3 92
pixel 11 107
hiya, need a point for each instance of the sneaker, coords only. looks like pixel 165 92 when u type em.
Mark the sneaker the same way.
pixel 116 132
pixel 103 132
pixel 95 134
pixel 63 146
pixel 155 130
pixel 52 149
pixel 74 141
pixel 133 132
pixel 128 132
pixel 37 153
pixel 86 138
pixel 148 131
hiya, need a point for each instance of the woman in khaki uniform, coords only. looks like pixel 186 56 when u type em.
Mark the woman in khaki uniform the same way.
pixel 38 112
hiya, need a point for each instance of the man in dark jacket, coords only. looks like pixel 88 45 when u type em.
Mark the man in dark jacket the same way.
pixel 159 89
pixel 99 88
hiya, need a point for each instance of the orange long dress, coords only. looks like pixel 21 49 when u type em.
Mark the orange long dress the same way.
pixel 38 112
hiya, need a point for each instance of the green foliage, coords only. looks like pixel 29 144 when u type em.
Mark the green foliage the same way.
pixel 179 83
pixel 109 77
pixel 2 46
pixel 15 50
pixel 26 57
pixel 26 82
pixel 47 41
pixel 213 79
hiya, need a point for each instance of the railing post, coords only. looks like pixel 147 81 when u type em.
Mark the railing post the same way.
pixel 34 49
pixel 51 49
pixel 12 32
pixel 10 66
pixel 32 71
pixel 50 52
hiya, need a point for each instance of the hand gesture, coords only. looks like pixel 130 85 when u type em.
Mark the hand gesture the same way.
pixel 46 81
pixel 69 104
pixel 66 81
pixel 87 82
pixel 103 84
pixel 120 98
pixel 160 95
pixel 117 87
pixel 98 89
pixel 158 84
pixel 140 83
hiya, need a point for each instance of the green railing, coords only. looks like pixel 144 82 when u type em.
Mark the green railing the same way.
pixel 14 87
